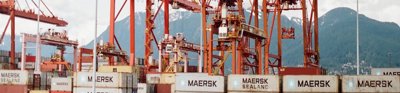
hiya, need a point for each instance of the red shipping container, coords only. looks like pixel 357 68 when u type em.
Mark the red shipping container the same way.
pixel 14 88
pixel 60 91
pixel 192 69
pixel 30 58
pixel 300 71
pixel 163 88
pixel 86 59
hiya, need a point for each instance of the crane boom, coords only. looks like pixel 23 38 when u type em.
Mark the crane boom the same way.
pixel 30 15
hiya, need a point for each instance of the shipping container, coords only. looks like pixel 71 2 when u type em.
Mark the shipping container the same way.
pixel 371 84
pixel 191 74
pixel 28 65
pixel 125 69
pixel 142 88
pixel 300 71
pixel 61 84
pixel 192 69
pixel 110 80
pixel 187 83
pixel 310 83
pixel 39 91
pixel 4 53
pixel 85 66
pixel 253 83
pixel 167 78
pixel 153 78
pixel 13 77
pixel 87 59
pixel 4 59
pixel 164 88
pixel 385 71
pixel 102 90
pixel 60 91
pixel 14 88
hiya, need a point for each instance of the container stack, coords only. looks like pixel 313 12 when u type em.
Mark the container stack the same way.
pixel 106 82
pixel 13 81
pixel 4 59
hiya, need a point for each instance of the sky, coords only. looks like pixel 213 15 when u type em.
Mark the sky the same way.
pixel 80 14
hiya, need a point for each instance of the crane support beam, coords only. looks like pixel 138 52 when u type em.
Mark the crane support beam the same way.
pixel 132 33
pixel 30 15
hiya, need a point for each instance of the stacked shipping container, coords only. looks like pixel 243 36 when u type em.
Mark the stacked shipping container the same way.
pixel 13 81
pixel 105 82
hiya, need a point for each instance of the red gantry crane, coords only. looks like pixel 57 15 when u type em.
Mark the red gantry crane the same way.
pixel 275 8
pixel 7 7
pixel 172 49
pixel 234 36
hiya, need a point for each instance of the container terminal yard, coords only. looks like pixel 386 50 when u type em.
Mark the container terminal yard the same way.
pixel 229 35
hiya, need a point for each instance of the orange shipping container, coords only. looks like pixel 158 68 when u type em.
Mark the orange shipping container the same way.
pixel 14 88
pixel 87 59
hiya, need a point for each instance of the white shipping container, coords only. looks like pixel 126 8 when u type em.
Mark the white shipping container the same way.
pixel 85 66
pixel 125 69
pixel 191 74
pixel 143 88
pixel 185 83
pixel 15 77
pixel 310 83
pixel 153 78
pixel 28 65
pixel 167 79
pixel 39 91
pixel 111 80
pixel 385 71
pixel 253 83
pixel 102 90
pixel 371 84
pixel 61 84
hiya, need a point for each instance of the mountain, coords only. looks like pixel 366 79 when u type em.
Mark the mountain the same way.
pixel 379 41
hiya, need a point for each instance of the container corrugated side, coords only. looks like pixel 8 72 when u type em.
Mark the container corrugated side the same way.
pixel 115 80
pixel 13 77
pixel 102 90
pixel 61 84
pixel 385 71
pixel 253 83
pixel 185 83
pixel 371 84
pixel 310 83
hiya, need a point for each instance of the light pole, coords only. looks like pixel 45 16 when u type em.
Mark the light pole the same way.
pixel 95 50
pixel 358 45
